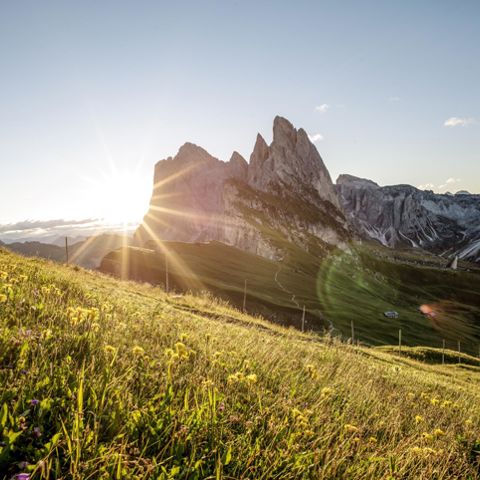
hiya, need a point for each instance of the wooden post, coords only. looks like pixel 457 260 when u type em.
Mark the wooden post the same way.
pixel 66 249
pixel 353 332
pixel 303 319
pixel 245 296
pixel 443 352
pixel 399 340
pixel 167 286
pixel 458 351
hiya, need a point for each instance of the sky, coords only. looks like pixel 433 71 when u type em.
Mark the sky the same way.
pixel 93 94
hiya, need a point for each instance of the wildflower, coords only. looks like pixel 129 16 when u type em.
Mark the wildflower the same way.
pixel 138 350
pixel 235 378
pixel 22 476
pixel 252 378
pixel 326 392
pixel 221 407
pixel 181 350
pixel 373 440
pixel 468 422
pixel 37 433
pixel 410 395
pixel 183 337
pixel 424 396
pixel 24 372
pixel 438 432
pixel 109 349
pixel 434 401
pixel 312 371
pixel 427 436
pixel 350 428
pixel 34 402
pixel 419 419
pixel 3 298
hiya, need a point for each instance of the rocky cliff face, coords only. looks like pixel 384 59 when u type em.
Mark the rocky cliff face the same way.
pixel 402 215
pixel 285 194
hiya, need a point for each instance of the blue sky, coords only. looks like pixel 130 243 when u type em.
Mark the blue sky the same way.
pixel 389 90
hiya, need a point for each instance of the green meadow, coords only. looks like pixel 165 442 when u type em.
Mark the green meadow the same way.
pixel 101 378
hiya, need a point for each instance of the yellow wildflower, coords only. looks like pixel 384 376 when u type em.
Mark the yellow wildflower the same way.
pixel 109 349
pixel 252 378
pixel 468 422
pixel 438 432
pixel 373 440
pixel 427 436
pixel 137 350
pixel 350 428
pixel 419 419
pixel 434 401
pixel 326 392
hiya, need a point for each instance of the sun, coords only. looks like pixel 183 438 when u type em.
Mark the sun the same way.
pixel 120 196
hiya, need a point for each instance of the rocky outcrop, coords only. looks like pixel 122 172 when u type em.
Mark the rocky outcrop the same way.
pixel 285 194
pixel 404 216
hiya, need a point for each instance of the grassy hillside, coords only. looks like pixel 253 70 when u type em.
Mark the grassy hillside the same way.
pixel 337 289
pixel 107 379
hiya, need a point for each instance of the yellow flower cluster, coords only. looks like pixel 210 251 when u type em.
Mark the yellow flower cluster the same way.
pixel 180 352
pixel 78 315
pixel 326 392
pixel 240 377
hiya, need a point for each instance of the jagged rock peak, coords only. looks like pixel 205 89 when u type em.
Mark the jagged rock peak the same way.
pixel 284 132
pixel 290 161
pixel 345 179
pixel 191 152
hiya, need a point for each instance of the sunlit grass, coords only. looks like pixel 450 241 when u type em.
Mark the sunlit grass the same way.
pixel 107 379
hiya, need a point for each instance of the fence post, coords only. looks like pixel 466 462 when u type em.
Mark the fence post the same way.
pixel 66 249
pixel 443 352
pixel 353 332
pixel 399 340
pixel 458 351
pixel 303 319
pixel 245 296
pixel 167 283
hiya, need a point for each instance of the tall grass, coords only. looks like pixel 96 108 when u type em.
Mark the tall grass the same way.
pixel 108 379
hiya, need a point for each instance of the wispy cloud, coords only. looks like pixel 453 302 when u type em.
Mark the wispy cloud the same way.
pixel 322 108
pixel 449 182
pixel 315 137
pixel 43 225
pixel 393 99
pixel 457 121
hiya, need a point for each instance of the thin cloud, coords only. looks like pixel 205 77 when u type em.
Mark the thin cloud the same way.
pixel 438 188
pixel 393 99
pixel 457 121
pixel 315 137
pixel 322 108
pixel 39 224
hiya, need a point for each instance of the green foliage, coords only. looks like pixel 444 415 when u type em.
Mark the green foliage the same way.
pixel 107 379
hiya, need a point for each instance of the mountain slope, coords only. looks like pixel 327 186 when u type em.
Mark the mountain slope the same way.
pixel 285 191
pixel 120 380
pixel 402 215
pixel 337 289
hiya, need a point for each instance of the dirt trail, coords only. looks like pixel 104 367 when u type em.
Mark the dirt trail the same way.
pixel 277 281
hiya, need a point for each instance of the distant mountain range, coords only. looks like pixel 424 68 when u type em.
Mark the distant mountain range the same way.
pixel 285 195
pixel 87 253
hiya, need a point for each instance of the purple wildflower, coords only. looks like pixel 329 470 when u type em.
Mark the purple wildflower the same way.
pixel 221 407
pixel 37 433
pixel 22 476
pixel 34 402
pixel 23 371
